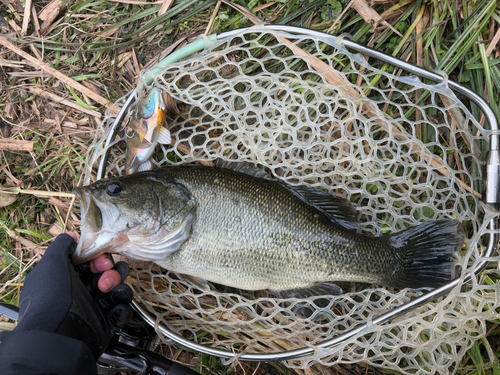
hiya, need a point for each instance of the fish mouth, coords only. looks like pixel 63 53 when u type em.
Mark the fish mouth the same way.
pixel 91 227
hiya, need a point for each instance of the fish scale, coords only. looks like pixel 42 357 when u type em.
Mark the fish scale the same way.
pixel 253 233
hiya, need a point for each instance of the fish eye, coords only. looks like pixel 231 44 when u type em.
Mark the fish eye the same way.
pixel 114 189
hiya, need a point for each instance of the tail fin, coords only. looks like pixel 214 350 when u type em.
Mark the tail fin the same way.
pixel 425 253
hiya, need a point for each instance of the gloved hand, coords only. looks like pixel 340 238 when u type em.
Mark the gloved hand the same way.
pixel 56 298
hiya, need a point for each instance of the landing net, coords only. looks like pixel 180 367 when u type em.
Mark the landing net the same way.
pixel 311 112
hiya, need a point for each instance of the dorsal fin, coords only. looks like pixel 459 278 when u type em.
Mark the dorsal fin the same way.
pixel 337 209
pixel 243 167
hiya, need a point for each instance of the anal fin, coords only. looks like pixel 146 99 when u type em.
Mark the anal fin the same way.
pixel 197 282
pixel 320 289
pixel 146 166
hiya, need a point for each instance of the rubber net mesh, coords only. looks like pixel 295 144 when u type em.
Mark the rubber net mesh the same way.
pixel 313 113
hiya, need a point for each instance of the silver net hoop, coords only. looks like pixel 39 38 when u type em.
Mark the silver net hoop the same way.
pixel 313 111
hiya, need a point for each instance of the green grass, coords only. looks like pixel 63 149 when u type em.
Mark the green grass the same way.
pixel 92 36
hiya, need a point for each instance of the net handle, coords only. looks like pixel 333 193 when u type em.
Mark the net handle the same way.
pixel 492 197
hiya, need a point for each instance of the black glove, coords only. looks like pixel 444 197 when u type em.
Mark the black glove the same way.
pixel 55 298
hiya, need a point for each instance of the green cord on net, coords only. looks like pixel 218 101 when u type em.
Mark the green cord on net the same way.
pixel 186 51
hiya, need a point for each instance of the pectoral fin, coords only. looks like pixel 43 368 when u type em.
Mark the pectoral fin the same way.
pixel 164 136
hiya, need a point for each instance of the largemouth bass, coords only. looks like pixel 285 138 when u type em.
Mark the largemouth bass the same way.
pixel 148 129
pixel 253 233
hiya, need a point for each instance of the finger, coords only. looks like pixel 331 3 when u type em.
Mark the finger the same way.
pixel 101 263
pixel 74 235
pixel 119 316
pixel 60 249
pixel 91 282
pixel 84 270
pixel 123 269
pixel 121 294
pixel 108 280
